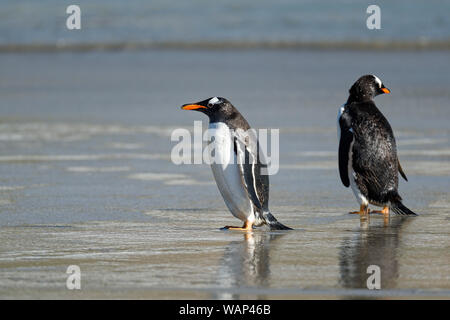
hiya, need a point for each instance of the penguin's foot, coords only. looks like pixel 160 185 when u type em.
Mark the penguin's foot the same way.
pixel 248 226
pixel 384 212
pixel 362 210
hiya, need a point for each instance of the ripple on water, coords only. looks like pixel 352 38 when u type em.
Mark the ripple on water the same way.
pixel 37 131
pixel 172 179
pixel 98 169
pixel 84 157
pixel 11 188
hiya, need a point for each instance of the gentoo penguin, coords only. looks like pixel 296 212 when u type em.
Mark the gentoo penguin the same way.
pixel 367 150
pixel 237 165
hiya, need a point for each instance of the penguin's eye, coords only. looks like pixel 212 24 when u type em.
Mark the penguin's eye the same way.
pixel 378 81
pixel 213 101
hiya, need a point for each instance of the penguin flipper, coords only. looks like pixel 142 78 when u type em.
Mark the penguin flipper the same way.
pixel 256 184
pixel 247 168
pixel 345 143
pixel 400 169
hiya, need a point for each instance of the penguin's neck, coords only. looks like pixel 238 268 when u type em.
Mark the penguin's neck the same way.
pixel 233 121
pixel 218 117
pixel 358 98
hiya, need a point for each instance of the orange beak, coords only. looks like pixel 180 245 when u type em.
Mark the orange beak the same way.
pixel 193 107
pixel 385 90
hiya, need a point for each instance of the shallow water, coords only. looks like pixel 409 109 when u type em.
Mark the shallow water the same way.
pixel 86 177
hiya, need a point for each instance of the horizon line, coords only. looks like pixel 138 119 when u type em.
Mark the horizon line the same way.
pixel 384 45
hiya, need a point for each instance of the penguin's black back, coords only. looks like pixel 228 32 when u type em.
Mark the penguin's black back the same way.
pixel 374 156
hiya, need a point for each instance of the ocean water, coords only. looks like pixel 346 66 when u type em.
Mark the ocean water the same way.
pixel 86 177
pixel 239 22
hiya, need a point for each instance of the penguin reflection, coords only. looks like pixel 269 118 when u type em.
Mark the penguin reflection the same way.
pixel 377 245
pixel 246 264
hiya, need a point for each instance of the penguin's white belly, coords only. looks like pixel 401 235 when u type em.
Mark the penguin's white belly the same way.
pixel 341 110
pixel 226 172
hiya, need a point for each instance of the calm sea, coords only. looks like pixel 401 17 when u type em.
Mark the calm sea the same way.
pixel 239 22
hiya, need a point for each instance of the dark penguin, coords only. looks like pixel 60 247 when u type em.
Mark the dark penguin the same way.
pixel 237 165
pixel 367 150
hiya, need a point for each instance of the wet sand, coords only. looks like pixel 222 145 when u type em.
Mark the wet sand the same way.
pixel 326 257
pixel 86 177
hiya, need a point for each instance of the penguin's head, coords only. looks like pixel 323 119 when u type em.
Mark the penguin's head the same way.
pixel 214 108
pixel 367 87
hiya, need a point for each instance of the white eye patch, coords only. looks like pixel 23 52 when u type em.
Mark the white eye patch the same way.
pixel 377 80
pixel 213 100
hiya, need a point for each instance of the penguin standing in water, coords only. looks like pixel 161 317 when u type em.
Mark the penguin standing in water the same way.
pixel 367 150
pixel 237 165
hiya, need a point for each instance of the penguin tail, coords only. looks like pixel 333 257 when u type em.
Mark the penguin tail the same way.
pixel 273 223
pixel 398 207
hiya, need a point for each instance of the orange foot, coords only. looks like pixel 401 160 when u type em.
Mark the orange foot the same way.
pixel 384 212
pixel 246 227
pixel 362 210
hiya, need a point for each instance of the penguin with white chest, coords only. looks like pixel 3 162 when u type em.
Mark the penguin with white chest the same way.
pixel 368 159
pixel 238 165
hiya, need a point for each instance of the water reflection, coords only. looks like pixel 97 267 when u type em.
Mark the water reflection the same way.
pixel 374 244
pixel 246 264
